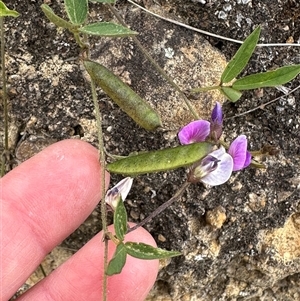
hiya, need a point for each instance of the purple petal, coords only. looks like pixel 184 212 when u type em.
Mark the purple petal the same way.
pixel 207 165
pixel 223 171
pixel 216 122
pixel 238 151
pixel 195 131
pixel 248 159
pixel 217 114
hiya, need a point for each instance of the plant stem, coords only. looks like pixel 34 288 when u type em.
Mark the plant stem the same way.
pixel 205 89
pixel 103 204
pixel 4 96
pixel 4 83
pixel 104 282
pixel 161 208
pixel 157 67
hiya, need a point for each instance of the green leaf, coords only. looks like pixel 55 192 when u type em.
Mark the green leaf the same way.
pixel 103 1
pixel 144 251
pixel 58 21
pixel 241 58
pixel 160 160
pixel 118 261
pixel 232 94
pixel 128 101
pixel 120 220
pixel 76 10
pixel 273 78
pixel 107 29
pixel 6 12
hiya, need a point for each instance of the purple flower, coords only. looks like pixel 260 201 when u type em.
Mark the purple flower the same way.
pixel 195 131
pixel 200 130
pixel 238 151
pixel 119 191
pixel 216 122
pixel 214 169
pixel 217 114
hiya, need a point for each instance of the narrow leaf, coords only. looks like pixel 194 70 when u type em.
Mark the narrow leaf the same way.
pixel 6 12
pixel 120 220
pixel 273 78
pixel 118 261
pixel 232 94
pixel 128 101
pixel 76 10
pixel 107 29
pixel 241 58
pixel 160 160
pixel 58 21
pixel 144 251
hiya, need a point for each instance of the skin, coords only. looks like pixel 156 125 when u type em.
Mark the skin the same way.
pixel 44 200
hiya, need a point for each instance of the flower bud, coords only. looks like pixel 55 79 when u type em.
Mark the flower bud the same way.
pixel 216 124
pixel 118 192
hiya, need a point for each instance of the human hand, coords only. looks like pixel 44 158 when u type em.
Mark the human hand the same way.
pixel 44 200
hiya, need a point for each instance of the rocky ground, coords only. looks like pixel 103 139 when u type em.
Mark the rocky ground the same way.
pixel 240 241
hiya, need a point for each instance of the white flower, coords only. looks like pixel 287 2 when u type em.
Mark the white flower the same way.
pixel 214 169
pixel 120 190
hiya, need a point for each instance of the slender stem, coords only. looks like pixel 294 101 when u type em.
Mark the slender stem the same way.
pixel 4 92
pixel 2 167
pixel 161 208
pixel 157 67
pixel 113 238
pixel 79 41
pixel 104 282
pixel 4 83
pixel 209 33
pixel 102 163
pixel 204 89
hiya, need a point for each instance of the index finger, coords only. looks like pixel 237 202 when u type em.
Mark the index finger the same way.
pixel 44 200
